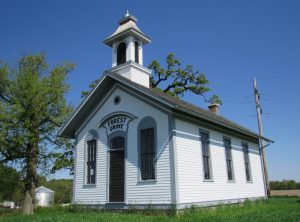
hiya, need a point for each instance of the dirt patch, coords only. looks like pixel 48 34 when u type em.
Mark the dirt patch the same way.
pixel 285 193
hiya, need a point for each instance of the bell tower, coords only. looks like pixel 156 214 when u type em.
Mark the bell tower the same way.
pixel 127 51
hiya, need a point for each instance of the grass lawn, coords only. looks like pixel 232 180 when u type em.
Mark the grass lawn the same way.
pixel 273 210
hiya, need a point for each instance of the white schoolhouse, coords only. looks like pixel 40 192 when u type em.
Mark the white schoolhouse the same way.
pixel 136 146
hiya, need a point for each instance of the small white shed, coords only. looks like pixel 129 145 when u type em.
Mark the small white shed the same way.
pixel 44 197
pixel 9 204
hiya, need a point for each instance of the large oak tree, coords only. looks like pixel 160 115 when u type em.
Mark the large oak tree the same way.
pixel 175 80
pixel 32 107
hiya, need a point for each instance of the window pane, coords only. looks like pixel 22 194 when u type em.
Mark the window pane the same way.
pixel 136 52
pixel 117 143
pixel 247 162
pixel 121 53
pixel 206 155
pixel 228 151
pixel 206 168
pixel 91 161
pixel 147 152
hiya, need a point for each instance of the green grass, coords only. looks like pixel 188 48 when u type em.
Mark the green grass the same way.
pixel 273 210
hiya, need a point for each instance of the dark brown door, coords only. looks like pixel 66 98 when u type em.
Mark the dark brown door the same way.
pixel 116 178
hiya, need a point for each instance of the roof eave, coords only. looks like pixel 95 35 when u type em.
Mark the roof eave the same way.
pixel 248 133
pixel 64 131
pixel 110 40
pixel 67 131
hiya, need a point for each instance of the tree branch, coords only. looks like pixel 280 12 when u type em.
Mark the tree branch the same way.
pixel 52 141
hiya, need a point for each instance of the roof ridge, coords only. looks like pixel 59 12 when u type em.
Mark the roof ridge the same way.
pixel 189 106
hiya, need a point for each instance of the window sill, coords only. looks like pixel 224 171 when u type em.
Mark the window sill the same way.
pixel 231 181
pixel 151 181
pixel 208 181
pixel 249 181
pixel 92 185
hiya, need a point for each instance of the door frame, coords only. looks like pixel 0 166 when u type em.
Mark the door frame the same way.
pixel 109 138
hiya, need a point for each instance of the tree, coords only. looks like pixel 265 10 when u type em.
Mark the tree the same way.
pixel 175 80
pixel 64 158
pixel 9 178
pixel 180 80
pixel 284 185
pixel 32 108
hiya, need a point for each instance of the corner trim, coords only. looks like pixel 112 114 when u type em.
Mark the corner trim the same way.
pixel 173 160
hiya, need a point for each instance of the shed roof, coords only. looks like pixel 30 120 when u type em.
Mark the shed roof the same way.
pixel 43 189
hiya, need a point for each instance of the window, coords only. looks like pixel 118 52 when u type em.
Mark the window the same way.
pixel 206 156
pixel 147 152
pixel 247 161
pixel 147 130
pixel 136 52
pixel 121 53
pixel 228 154
pixel 117 143
pixel 91 161
pixel 117 100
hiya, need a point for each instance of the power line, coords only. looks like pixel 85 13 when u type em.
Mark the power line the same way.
pixel 232 102
pixel 231 84
pixel 247 117
pixel 235 102
pixel 267 114
pixel 279 113
pixel 281 92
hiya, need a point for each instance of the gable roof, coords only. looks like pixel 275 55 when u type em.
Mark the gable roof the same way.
pixel 177 106
pixel 43 189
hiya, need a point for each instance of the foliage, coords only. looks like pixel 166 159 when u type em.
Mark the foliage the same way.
pixel 32 108
pixel 62 189
pixel 284 185
pixel 175 80
pixel 5 212
pixel 10 178
pixel 180 80
pixel 65 158
pixel 274 209
pixel 91 87
pixel 9 183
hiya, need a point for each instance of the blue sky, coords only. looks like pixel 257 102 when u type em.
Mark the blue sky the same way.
pixel 230 41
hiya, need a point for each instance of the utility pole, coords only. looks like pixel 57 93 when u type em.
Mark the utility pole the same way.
pixel 262 143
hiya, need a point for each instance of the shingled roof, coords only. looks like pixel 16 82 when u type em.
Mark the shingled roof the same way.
pixel 192 109
pixel 177 105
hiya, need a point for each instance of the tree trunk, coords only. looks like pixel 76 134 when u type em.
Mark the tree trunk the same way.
pixel 28 202
pixel 31 177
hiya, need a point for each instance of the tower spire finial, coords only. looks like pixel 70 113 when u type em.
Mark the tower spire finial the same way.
pixel 127 13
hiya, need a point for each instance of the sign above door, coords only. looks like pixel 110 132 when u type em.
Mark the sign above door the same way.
pixel 116 122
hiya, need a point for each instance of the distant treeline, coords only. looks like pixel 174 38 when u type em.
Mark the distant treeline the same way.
pixel 285 185
pixel 11 186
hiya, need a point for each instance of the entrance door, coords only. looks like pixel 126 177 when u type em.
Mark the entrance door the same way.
pixel 116 170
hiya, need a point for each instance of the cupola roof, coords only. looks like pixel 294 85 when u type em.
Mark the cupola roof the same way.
pixel 127 27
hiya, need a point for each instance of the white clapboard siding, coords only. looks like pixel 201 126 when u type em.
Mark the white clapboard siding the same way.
pixel 193 188
pixel 90 194
pixel 135 192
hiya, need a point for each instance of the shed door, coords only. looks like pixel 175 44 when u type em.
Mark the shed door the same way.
pixel 116 177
